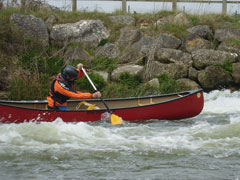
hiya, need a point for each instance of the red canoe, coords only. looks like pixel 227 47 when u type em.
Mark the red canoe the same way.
pixel 163 107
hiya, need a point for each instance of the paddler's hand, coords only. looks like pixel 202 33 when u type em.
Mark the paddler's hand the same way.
pixel 97 94
pixel 80 66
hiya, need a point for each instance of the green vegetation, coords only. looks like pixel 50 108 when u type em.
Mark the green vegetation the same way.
pixel 33 67
pixel 227 65
pixel 167 84
pixel 233 42
pixel 180 31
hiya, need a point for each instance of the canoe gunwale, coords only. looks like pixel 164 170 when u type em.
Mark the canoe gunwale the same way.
pixel 186 94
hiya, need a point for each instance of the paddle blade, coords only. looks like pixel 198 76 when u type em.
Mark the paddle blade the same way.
pixel 116 119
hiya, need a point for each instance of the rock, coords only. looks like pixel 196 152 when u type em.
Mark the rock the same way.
pixel 223 34
pixel 164 20
pixel 166 55
pixel 131 69
pixel 50 21
pixel 172 70
pixel 128 37
pixel 129 20
pixel 194 42
pixel 154 83
pixel 104 74
pixel 229 48
pixel 214 77
pixel 108 50
pixel 144 44
pixel 86 32
pixel 202 31
pixel 182 19
pixel 206 57
pixel 192 74
pixel 4 78
pixel 236 72
pixel 4 95
pixel 168 41
pixel 132 56
pixel 31 27
pixel 187 84
pixel 76 54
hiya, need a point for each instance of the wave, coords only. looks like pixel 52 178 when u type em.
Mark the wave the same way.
pixel 59 139
pixel 221 102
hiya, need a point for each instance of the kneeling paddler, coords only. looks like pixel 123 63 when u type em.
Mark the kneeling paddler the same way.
pixel 62 88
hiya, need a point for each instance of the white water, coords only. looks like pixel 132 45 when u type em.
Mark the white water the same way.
pixel 215 132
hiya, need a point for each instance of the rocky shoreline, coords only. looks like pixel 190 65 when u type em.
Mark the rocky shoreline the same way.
pixel 195 61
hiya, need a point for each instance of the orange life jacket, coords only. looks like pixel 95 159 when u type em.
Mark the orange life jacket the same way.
pixel 62 90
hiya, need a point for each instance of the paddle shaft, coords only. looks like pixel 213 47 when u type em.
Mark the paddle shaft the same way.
pixel 94 87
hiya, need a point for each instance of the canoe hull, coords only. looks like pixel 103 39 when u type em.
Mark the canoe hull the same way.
pixel 179 108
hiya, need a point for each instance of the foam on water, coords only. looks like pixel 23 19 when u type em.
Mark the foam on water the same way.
pixel 221 102
pixel 201 137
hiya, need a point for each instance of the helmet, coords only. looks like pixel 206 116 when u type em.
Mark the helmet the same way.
pixel 69 73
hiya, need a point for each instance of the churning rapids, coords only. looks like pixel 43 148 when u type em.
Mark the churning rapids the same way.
pixel 204 147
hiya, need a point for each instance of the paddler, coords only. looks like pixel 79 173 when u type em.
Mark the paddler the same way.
pixel 62 88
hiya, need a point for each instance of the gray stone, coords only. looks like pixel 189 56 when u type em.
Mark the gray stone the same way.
pixel 194 42
pixel 223 34
pixel 31 27
pixel 214 77
pixel 131 69
pixel 236 72
pixel 187 84
pixel 201 30
pixel 86 32
pixel 206 57
pixel 75 54
pixel 168 41
pixel 193 74
pixel 182 19
pixel 128 37
pixel 108 50
pixel 132 56
pixel 172 70
pixel 144 44
pixel 154 83
pixel 166 55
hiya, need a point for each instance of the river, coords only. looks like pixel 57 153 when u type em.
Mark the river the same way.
pixel 206 147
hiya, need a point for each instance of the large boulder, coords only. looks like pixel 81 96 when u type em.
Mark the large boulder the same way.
pixel 214 77
pixel 144 44
pixel 236 72
pixel 128 37
pixel 202 31
pixel 193 42
pixel 109 50
pixel 229 48
pixel 166 55
pixel 223 34
pixel 131 55
pixel 87 32
pixel 131 69
pixel 129 20
pixel 193 74
pixel 73 55
pixel 187 84
pixel 31 27
pixel 172 70
pixel 182 19
pixel 206 57
pixel 168 41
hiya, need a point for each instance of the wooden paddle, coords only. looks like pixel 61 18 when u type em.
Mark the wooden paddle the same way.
pixel 114 118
